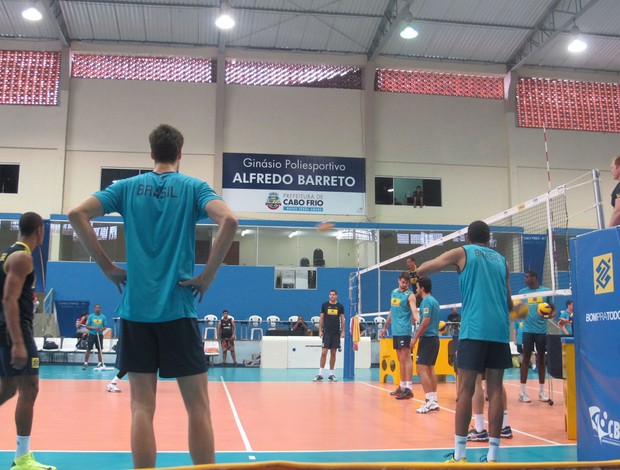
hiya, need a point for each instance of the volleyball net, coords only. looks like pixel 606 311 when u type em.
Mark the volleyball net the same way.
pixel 533 236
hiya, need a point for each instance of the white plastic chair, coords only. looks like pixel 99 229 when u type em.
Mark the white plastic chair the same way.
pixel 272 322
pixel 316 320
pixel 293 318
pixel 379 322
pixel 210 325
pixel 256 324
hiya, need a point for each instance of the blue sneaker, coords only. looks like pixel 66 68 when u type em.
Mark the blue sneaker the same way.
pixel 475 436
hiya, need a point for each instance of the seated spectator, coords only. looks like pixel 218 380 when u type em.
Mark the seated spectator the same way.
pixel 81 332
pixel 300 325
pixel 454 320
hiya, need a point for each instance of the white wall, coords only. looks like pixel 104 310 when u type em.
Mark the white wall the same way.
pixel 486 164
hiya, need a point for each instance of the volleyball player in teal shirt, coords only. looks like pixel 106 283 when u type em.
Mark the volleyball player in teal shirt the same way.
pixel 159 331
pixel 485 330
pixel 428 349
pixel 403 312
pixel 534 336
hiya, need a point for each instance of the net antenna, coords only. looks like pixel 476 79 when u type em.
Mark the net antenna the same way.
pixel 550 233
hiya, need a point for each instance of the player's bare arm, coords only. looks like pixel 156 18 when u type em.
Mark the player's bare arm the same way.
pixel 454 257
pixel 227 222
pixel 18 266
pixel 80 218
pixel 615 215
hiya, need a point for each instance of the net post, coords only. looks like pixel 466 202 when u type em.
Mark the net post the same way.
pixel 349 354
pixel 596 186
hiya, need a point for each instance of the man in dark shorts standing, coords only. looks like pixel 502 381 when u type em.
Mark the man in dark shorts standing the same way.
pixel 428 349
pixel 159 330
pixel 19 360
pixel 227 331
pixel 534 336
pixel 484 337
pixel 402 314
pixel 331 329
pixel 95 325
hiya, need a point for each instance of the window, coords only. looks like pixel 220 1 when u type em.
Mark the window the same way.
pixel 111 175
pixel 439 83
pixel 391 191
pixel 9 179
pixel 29 77
pixel 568 104
pixel 165 69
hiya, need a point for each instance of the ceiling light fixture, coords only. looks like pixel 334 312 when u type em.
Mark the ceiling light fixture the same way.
pixel 32 14
pixel 293 234
pixel 577 44
pixel 409 32
pixel 225 21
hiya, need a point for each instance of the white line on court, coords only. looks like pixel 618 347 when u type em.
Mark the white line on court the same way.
pixel 244 436
pixel 454 411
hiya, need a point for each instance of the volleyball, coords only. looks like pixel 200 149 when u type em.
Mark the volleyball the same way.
pixel 324 225
pixel 544 309
pixel 442 326
pixel 520 309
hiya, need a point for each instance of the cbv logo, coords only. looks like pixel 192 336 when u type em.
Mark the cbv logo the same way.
pixel 607 430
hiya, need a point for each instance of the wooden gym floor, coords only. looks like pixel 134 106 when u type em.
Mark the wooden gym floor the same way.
pixel 265 415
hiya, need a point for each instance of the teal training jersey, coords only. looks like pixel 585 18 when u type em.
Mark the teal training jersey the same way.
pixel 484 295
pixel 160 212
pixel 534 323
pixel 430 308
pixel 96 321
pixel 565 315
pixel 401 313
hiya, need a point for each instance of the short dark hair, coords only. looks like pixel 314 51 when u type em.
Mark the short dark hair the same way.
pixel 224 311
pixel 166 143
pixel 479 232
pixel 405 275
pixel 29 222
pixel 426 284
pixel 569 302
pixel 532 273
pixel 411 258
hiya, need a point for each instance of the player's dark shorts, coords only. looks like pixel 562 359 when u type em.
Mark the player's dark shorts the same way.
pixel 92 341
pixel 480 355
pixel 173 348
pixel 228 343
pixel 331 340
pixel 535 339
pixel 428 350
pixel 32 364
pixel 401 342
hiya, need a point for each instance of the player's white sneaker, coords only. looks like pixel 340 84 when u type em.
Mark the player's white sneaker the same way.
pixel 523 398
pixel 542 396
pixel 428 406
pixel 113 388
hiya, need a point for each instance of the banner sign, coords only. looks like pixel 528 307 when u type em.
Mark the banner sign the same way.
pixel 534 250
pixel 294 184
pixel 595 259
pixel 67 312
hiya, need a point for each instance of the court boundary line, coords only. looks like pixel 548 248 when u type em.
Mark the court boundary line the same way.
pixel 244 436
pixel 553 443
